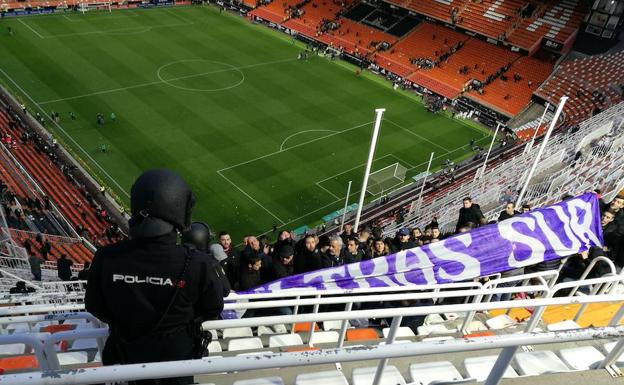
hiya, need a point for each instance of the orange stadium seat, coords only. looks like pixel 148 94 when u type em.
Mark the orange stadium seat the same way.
pixel 579 78
pixel 510 97
pixel 355 37
pixel 556 21
pixel 418 44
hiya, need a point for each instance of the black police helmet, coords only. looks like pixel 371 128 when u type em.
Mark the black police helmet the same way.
pixel 198 235
pixel 161 201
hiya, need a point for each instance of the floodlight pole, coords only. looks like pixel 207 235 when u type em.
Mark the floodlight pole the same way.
pixel 481 171
pixel 564 99
pixel 344 211
pixel 530 145
pixel 369 163
pixel 422 188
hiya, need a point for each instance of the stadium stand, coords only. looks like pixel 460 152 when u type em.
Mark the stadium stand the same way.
pixel 313 13
pixel 558 174
pixel 438 9
pixel 556 21
pixel 48 330
pixel 593 84
pixel 492 18
pixel 74 203
pixel 355 38
pixel 510 93
pixel 426 41
pixel 479 60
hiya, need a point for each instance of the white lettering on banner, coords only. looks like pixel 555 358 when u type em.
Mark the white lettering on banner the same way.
pixel 133 279
pixel 328 277
pixel 418 259
pixel 379 273
pixel 582 226
pixel 472 267
pixel 558 247
pixel 509 233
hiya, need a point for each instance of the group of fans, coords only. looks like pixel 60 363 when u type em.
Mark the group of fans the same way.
pixel 259 261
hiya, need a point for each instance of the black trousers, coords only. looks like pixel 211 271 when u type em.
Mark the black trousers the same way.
pixel 159 347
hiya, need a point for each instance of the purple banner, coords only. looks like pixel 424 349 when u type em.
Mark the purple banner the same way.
pixel 545 234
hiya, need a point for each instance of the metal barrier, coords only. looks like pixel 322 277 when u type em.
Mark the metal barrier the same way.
pixel 509 343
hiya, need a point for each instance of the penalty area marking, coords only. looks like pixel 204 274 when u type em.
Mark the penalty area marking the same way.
pixel 31 28
pixel 301 132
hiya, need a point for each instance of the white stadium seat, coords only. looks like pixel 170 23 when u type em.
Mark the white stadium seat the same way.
pixel 500 322
pixel 73 358
pixel 428 372
pixel 581 358
pixel 325 337
pixel 285 340
pixel 331 377
pixel 12 349
pixel 245 344
pixel 540 362
pixel 401 332
pixel 261 381
pixel 365 376
pixel 237 332
pixel 479 367
pixel 563 325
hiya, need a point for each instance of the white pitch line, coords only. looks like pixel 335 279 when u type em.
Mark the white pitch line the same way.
pixel 66 134
pixel 99 32
pixel 353 168
pixel 415 134
pixel 251 198
pixel 331 193
pixel 295 146
pixel 161 82
pixel 301 132
pixel 65 16
pixel 31 28
pixel 178 16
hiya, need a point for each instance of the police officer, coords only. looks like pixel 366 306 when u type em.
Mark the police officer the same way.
pixel 152 292
pixel 198 237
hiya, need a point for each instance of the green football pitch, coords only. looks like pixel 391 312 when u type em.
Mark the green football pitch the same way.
pixel 264 139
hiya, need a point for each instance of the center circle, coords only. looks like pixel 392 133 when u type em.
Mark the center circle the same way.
pixel 200 75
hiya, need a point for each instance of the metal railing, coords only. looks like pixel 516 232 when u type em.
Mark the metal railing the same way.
pixel 508 343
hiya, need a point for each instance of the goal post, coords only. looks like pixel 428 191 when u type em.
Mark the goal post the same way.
pixel 386 178
pixel 85 6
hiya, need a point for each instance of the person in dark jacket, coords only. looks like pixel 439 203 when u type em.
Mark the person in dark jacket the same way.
pixel 250 276
pixel 21 288
pixel 35 267
pixel 402 241
pixel 63 266
pixel 282 265
pixel 83 274
pixel 353 253
pixel 152 292
pixel 470 213
pixel 333 256
pixel 510 211
pixel 307 257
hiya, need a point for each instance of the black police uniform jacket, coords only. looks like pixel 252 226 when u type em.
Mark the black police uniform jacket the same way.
pixel 130 285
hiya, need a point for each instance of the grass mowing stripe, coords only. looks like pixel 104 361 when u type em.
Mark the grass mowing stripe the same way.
pixel 280 109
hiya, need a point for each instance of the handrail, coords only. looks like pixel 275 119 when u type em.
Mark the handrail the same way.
pixel 51 317
pixel 209 365
pixel 591 267
pixel 406 312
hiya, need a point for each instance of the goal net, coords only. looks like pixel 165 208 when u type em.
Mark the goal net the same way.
pixel 386 178
pixel 94 6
